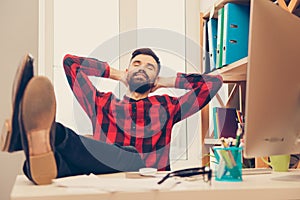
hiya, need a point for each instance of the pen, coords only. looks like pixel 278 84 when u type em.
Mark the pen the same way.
pixel 238 135
pixel 239 117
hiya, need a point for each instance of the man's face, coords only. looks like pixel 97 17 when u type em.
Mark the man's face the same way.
pixel 142 73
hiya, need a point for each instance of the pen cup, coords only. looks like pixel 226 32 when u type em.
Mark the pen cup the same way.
pixel 228 163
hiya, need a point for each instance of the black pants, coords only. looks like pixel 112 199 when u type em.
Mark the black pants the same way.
pixel 76 154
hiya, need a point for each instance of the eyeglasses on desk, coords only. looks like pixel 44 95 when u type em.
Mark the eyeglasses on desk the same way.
pixel 206 172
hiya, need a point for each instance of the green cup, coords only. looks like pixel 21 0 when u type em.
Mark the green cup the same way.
pixel 279 163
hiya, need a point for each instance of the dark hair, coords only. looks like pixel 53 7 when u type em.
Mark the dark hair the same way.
pixel 146 51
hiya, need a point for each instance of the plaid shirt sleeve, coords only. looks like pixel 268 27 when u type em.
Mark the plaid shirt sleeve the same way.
pixel 202 89
pixel 77 70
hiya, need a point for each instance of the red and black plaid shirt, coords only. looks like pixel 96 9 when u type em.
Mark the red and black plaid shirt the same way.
pixel 145 124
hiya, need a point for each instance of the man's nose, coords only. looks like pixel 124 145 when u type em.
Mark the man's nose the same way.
pixel 142 70
pixel 143 66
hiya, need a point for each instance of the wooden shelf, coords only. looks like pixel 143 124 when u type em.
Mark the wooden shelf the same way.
pixel 212 141
pixel 232 73
pixel 235 72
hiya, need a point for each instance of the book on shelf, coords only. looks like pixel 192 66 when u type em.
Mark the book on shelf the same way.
pixel 226 37
pixel 225 122
pixel 205 50
pixel 220 38
pixel 214 114
pixel 212 26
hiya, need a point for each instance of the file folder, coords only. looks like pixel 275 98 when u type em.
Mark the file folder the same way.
pixel 220 38
pixel 205 49
pixel 236 32
pixel 212 26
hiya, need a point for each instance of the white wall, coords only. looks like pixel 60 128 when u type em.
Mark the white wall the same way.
pixel 193 65
pixel 166 23
pixel 81 27
pixel 206 5
pixel 18 35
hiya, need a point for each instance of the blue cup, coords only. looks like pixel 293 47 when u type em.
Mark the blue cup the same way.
pixel 228 164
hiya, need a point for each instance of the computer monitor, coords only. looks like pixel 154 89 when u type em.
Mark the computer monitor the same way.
pixel 272 112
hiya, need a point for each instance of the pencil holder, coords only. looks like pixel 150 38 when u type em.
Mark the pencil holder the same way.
pixel 228 164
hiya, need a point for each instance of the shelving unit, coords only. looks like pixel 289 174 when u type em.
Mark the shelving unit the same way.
pixel 235 73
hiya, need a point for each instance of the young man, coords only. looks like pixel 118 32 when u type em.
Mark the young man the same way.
pixel 53 150
pixel 138 120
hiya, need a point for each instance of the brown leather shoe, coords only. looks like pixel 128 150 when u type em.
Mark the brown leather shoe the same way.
pixel 37 117
pixel 10 139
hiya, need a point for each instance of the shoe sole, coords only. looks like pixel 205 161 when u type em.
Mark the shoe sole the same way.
pixel 7 134
pixel 38 116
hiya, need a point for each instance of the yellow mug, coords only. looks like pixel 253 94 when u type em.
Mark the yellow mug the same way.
pixel 279 163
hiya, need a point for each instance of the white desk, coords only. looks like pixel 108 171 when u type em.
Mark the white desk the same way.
pixel 284 185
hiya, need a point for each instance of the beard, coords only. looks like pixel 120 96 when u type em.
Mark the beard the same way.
pixel 138 85
pixel 140 88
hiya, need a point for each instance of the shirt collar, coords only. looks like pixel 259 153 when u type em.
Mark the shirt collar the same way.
pixel 126 98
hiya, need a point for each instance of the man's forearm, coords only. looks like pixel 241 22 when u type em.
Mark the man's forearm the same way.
pixel 115 74
pixel 194 80
pixel 118 75
pixel 89 66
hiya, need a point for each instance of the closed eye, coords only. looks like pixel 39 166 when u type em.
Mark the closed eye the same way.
pixel 136 63
pixel 150 66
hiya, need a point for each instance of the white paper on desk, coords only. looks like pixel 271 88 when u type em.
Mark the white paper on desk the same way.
pixel 114 184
